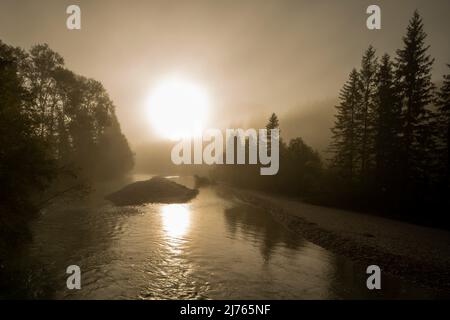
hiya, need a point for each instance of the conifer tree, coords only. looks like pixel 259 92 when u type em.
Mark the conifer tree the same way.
pixel 413 66
pixel 366 114
pixel 346 128
pixel 273 123
pixel 443 104
pixel 387 124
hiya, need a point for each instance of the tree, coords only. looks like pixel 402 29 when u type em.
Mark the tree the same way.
pixel 86 138
pixel 443 117
pixel 272 124
pixel 70 91
pixel 387 126
pixel 113 154
pixel 366 113
pixel 38 69
pixel 56 129
pixel 347 128
pixel 413 65
pixel 302 168
pixel 25 165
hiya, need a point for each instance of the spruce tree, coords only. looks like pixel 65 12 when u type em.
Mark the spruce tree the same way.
pixel 346 129
pixel 273 123
pixel 366 114
pixel 413 66
pixel 387 125
pixel 443 112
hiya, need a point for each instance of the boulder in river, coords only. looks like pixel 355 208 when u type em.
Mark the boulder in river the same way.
pixel 155 190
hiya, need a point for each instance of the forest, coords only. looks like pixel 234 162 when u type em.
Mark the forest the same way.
pixel 389 152
pixel 59 133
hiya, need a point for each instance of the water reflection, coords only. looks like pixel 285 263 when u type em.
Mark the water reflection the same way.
pixel 258 226
pixel 176 219
pixel 214 247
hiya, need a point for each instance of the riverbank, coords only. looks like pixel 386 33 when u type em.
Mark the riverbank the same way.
pixel 413 253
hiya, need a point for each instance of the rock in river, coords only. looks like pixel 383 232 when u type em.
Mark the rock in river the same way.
pixel 155 190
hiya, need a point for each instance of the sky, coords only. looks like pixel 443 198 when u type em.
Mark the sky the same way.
pixel 254 57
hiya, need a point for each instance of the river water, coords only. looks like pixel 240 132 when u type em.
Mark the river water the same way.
pixel 214 247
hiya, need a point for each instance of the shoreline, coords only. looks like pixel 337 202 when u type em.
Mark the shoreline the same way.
pixel 412 253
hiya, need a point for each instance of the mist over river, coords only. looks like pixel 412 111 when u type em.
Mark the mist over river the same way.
pixel 214 247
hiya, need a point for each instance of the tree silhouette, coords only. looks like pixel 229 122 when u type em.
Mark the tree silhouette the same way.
pixel 413 68
pixel 57 129
pixel 387 129
pixel 26 167
pixel 443 104
pixel 366 114
pixel 346 130
pixel 37 69
pixel 388 126
pixel 273 123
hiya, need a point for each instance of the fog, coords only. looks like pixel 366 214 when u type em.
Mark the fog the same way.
pixel 113 187
pixel 253 57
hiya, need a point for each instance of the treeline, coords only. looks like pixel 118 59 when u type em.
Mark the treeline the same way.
pixel 390 142
pixel 58 132
pixel 301 170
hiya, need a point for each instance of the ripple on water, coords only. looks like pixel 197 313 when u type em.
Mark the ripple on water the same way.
pixel 214 247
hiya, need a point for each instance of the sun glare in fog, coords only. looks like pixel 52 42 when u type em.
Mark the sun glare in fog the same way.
pixel 176 219
pixel 178 108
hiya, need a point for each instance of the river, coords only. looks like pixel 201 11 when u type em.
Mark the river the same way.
pixel 214 247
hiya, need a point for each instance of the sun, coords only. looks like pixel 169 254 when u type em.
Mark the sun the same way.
pixel 178 108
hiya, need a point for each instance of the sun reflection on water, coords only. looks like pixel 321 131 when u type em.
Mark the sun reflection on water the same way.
pixel 176 219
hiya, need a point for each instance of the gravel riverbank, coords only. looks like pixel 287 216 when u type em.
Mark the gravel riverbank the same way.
pixel 410 252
